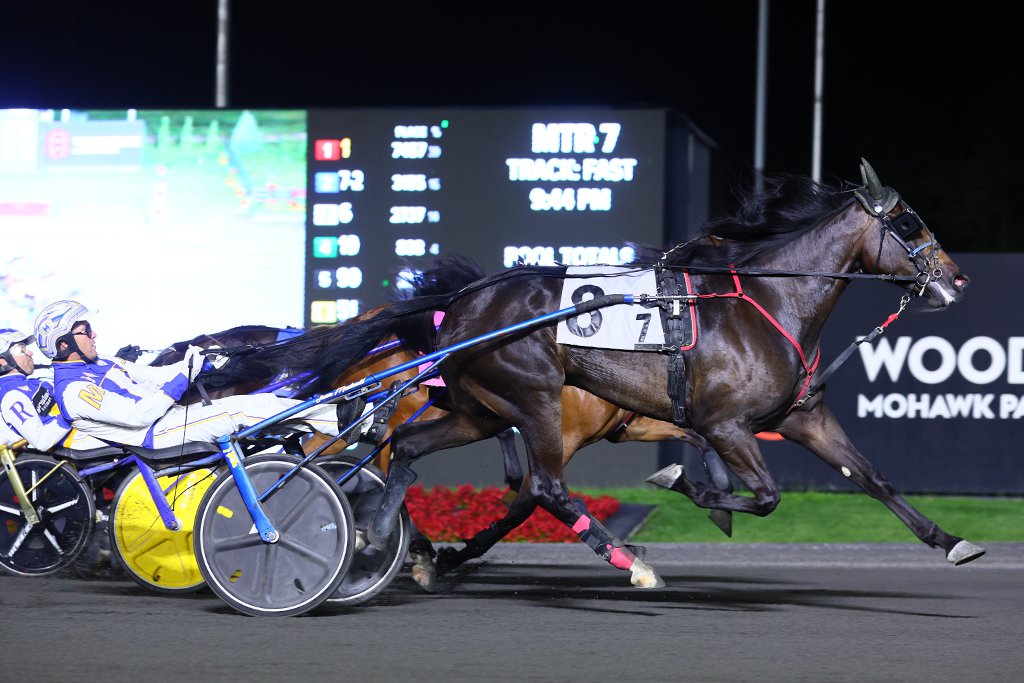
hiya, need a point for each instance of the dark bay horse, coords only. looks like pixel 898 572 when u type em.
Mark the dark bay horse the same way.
pixel 768 279
pixel 586 419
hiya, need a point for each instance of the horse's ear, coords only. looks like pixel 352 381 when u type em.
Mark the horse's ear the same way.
pixel 871 181
pixel 876 199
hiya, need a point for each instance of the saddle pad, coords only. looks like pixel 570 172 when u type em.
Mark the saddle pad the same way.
pixel 620 327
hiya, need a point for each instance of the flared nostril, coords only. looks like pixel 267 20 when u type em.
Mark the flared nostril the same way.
pixel 961 281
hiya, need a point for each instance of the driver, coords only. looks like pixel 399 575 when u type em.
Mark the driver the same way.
pixel 26 404
pixel 125 403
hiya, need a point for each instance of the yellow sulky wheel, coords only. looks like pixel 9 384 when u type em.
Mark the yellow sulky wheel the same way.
pixel 151 554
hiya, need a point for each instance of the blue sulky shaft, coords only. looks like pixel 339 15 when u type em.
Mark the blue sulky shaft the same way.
pixel 233 455
pixel 370 380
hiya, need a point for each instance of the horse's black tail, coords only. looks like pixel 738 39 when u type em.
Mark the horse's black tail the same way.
pixel 447 275
pixel 328 352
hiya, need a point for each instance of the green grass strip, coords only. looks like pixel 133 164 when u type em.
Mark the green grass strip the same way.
pixel 816 517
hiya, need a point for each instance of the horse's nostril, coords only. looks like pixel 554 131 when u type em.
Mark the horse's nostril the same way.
pixel 961 282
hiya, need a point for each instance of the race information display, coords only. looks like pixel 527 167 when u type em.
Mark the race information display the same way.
pixel 389 189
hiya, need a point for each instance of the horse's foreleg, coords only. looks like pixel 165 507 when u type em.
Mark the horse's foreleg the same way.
pixel 820 432
pixel 719 475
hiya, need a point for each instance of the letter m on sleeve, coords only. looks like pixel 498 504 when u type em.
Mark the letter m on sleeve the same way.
pixel 92 395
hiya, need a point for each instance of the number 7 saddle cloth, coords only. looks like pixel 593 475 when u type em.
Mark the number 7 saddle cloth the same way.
pixel 628 327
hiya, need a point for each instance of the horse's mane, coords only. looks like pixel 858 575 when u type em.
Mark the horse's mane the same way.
pixel 789 206
pixel 447 275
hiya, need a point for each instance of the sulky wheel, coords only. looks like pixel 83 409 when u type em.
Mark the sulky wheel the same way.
pixel 66 515
pixel 371 570
pixel 298 572
pixel 153 555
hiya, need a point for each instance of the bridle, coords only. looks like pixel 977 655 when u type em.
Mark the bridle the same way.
pixel 903 224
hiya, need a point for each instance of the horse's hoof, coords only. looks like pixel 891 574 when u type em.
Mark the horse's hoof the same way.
pixel 360 541
pixel 643 576
pixel 723 520
pixel 423 571
pixel 447 560
pixel 666 477
pixel 963 552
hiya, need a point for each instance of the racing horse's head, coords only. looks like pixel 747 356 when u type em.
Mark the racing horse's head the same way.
pixel 904 245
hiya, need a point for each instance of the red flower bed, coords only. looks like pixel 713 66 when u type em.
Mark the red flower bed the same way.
pixel 453 515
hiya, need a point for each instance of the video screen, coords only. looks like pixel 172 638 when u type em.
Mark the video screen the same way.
pixel 170 224
pixel 165 224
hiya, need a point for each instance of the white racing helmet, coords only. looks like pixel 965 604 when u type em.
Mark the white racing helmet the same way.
pixel 55 321
pixel 9 337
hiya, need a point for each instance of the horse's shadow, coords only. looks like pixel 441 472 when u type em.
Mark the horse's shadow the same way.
pixel 581 589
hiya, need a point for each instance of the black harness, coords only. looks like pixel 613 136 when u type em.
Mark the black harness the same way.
pixel 881 203
pixel 678 335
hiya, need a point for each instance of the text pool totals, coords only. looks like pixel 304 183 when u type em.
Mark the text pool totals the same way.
pixel 389 189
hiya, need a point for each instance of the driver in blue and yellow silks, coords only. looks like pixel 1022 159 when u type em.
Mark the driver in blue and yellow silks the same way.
pixel 122 402
pixel 27 408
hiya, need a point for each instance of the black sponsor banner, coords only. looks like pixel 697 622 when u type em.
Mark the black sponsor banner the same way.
pixel 936 403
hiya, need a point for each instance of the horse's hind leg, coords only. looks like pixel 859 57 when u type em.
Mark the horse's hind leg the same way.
pixel 552 496
pixel 544 447
pixel 519 511
pixel 719 475
pixel 410 441
pixel 820 432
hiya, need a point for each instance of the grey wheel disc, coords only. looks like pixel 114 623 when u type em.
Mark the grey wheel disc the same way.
pixel 293 575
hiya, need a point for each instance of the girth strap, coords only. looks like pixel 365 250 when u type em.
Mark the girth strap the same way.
pixel 676 316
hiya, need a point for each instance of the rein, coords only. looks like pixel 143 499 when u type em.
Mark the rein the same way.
pixel 768 272
pixel 842 358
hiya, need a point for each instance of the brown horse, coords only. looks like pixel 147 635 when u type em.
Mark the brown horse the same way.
pixel 765 287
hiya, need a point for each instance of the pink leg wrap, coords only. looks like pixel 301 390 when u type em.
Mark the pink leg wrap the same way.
pixel 581 525
pixel 621 558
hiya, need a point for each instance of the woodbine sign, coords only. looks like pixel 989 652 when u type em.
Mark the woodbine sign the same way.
pixel 936 402
pixel 980 361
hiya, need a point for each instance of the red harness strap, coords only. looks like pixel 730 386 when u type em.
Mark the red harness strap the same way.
pixel 738 294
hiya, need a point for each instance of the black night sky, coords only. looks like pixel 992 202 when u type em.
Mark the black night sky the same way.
pixel 926 91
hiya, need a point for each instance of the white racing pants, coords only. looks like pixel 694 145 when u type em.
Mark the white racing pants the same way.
pixel 229 414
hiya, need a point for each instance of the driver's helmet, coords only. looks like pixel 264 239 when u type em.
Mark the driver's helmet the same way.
pixel 55 321
pixel 9 337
